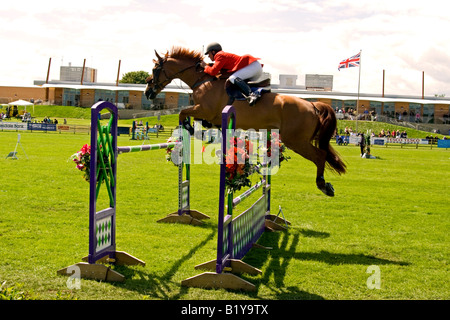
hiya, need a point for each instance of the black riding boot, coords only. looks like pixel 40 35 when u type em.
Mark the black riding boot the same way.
pixel 246 91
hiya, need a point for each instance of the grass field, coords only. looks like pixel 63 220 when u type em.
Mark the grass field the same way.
pixel 82 116
pixel 390 212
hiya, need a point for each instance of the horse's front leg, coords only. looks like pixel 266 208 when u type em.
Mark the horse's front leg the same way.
pixel 192 112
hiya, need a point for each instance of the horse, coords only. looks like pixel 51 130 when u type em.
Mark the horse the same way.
pixel 300 122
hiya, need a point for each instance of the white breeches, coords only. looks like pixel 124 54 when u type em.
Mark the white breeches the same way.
pixel 251 72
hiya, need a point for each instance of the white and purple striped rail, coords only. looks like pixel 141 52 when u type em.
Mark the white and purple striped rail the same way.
pixel 147 147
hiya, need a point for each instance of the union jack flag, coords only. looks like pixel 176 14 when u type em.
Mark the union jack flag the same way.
pixel 350 62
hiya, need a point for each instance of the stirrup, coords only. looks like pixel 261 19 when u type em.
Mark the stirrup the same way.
pixel 252 99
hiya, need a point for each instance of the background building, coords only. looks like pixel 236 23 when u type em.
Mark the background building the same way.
pixel 288 80
pixel 70 73
pixel 319 82
pixel 80 88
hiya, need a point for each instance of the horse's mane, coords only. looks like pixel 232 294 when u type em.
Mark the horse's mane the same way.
pixel 183 53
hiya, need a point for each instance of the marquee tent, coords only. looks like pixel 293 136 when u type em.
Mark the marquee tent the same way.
pixel 21 103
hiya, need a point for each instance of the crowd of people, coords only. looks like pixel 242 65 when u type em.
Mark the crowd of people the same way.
pixel 393 134
pixel 383 133
pixel 48 120
pixel 351 114
pixel 26 117
pixel 348 131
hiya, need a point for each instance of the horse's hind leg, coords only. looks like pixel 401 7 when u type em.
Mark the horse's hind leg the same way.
pixel 318 157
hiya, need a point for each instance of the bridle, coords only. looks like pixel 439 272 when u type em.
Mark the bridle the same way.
pixel 157 72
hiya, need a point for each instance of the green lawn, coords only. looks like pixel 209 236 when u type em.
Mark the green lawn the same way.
pixel 391 213
pixel 82 116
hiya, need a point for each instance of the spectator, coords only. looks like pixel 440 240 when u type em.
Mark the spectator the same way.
pixel 346 131
pixel 362 143
pixel 417 117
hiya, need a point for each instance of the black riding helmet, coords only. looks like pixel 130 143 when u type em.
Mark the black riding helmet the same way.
pixel 213 47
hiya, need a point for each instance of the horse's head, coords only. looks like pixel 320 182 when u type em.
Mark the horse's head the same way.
pixel 171 67
pixel 154 83
pixel 150 93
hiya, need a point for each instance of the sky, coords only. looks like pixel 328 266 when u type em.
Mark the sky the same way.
pixel 299 37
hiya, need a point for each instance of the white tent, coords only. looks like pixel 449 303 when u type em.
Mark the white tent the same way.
pixel 21 102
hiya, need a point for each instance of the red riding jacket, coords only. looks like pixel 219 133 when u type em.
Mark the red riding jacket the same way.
pixel 229 61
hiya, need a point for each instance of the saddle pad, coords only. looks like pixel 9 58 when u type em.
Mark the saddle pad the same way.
pixel 234 93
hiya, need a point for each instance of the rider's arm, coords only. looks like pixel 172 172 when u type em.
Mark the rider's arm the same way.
pixel 217 66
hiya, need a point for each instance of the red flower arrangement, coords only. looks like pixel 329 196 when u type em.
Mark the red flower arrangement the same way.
pixel 274 141
pixel 83 160
pixel 238 167
pixel 237 157
pixel 169 150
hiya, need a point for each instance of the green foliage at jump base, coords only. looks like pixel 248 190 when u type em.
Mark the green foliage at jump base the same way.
pixel 388 221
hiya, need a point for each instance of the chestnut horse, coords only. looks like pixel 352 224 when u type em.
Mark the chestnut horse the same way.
pixel 299 122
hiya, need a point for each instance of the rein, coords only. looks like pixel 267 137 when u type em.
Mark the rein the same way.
pixel 158 70
pixel 200 82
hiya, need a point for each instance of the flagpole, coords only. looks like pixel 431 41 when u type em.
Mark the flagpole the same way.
pixel 359 83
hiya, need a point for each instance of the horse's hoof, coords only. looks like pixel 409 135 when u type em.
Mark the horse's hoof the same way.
pixel 327 189
pixel 187 126
pixel 189 129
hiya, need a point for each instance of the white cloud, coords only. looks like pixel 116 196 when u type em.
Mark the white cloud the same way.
pixel 290 36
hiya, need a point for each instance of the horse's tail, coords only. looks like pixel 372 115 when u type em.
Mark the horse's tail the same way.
pixel 326 130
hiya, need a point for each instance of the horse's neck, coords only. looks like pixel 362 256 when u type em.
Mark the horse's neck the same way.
pixel 195 79
pixel 190 78
pixel 202 83
pixel 210 92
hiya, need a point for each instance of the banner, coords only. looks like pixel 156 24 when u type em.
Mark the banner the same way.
pixel 382 141
pixel 407 140
pixel 27 126
pixel 41 126
pixel 354 139
pixel 443 143
pixel 13 125
pixel 378 141
pixel 63 128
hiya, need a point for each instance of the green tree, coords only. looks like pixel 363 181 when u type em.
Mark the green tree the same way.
pixel 135 77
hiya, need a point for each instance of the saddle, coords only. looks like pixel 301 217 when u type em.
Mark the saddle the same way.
pixel 257 87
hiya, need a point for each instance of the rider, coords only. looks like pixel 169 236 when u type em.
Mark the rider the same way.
pixel 244 67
